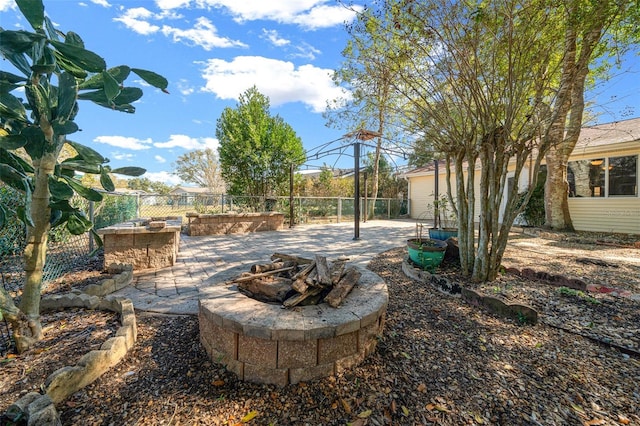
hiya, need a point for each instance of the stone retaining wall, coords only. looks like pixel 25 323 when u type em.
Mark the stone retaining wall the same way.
pixel 265 343
pixel 142 243
pixel 233 223
pixel 39 410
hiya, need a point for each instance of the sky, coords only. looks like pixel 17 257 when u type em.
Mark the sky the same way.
pixel 211 51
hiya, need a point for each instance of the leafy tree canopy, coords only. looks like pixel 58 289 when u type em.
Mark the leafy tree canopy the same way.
pixel 256 150
pixel 202 168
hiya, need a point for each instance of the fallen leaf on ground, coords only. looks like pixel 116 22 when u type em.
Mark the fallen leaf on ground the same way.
pixel 623 419
pixel 365 414
pixel 249 416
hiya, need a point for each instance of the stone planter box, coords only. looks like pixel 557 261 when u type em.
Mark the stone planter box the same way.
pixel 143 244
pixel 233 223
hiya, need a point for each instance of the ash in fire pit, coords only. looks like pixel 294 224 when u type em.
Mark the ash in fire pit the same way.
pixel 293 281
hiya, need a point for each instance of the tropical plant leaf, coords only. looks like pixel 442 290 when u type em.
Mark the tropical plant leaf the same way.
pixel 12 107
pixel 154 79
pixel 83 191
pixel 11 142
pixel 18 41
pixel 35 141
pixel 65 128
pixel 97 240
pixel 11 78
pixel 111 86
pixel 67 93
pixel 105 180
pixel 80 165
pixel 15 161
pixel 90 155
pixel 62 205
pixel 84 59
pixel 119 74
pixel 129 171
pixel 33 10
pixel 76 225
pixel 69 66
pixel 13 177
pixel 74 39
pixel 59 190
pixel 51 29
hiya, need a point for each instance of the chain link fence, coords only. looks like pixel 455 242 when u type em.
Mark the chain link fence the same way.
pixel 66 252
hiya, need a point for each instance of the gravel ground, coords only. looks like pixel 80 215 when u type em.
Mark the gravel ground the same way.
pixel 439 361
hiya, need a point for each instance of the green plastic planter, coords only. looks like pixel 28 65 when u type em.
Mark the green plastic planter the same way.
pixel 427 253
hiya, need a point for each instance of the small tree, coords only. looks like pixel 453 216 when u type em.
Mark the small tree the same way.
pixel 256 149
pixel 58 71
pixel 202 168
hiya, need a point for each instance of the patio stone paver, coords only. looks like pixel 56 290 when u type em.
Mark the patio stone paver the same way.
pixel 210 260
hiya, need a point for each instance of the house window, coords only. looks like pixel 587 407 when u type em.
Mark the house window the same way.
pixel 623 177
pixel 600 177
pixel 586 178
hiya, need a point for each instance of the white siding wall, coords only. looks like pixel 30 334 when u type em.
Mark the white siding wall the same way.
pixel 614 214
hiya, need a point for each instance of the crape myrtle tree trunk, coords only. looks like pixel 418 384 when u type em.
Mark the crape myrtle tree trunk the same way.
pixel 57 72
pixel 473 79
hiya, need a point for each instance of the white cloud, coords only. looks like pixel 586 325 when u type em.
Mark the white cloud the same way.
pixel 165 177
pixel 279 80
pixel 184 87
pixel 171 4
pixel 274 38
pixel 136 19
pixel 125 142
pixel 323 17
pixel 203 34
pixel 310 14
pixel 121 156
pixel 160 159
pixel 103 3
pixel 187 142
pixel 6 5
pixel 306 51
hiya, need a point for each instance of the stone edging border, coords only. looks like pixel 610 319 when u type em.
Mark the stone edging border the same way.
pixel 39 409
pixel 521 313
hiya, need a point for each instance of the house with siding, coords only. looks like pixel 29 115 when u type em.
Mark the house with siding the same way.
pixel 603 173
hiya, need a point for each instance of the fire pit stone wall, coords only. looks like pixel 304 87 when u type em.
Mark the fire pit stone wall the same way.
pixel 265 343
pixel 233 223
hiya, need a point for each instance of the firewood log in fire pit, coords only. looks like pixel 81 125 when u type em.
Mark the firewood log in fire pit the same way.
pixel 293 281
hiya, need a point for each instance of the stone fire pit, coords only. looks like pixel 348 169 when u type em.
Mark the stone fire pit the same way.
pixel 265 343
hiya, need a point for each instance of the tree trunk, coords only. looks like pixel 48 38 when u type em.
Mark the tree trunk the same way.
pixel 556 192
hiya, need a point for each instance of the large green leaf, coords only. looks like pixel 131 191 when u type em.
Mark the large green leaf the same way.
pixel 38 97
pixel 18 41
pixel 83 191
pixel 154 79
pixel 80 165
pixel 11 78
pixel 35 141
pixel 46 63
pixel 70 66
pixel 33 10
pixel 127 96
pixel 105 180
pixel 11 142
pixel 66 128
pixel 62 205
pixel 13 177
pixel 67 93
pixel 129 171
pixel 78 225
pixel 51 29
pixel 15 161
pixel 12 107
pixel 111 86
pixel 81 57
pixel 98 241
pixel 59 190
pixel 119 74
pixel 74 39
pixel 90 155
